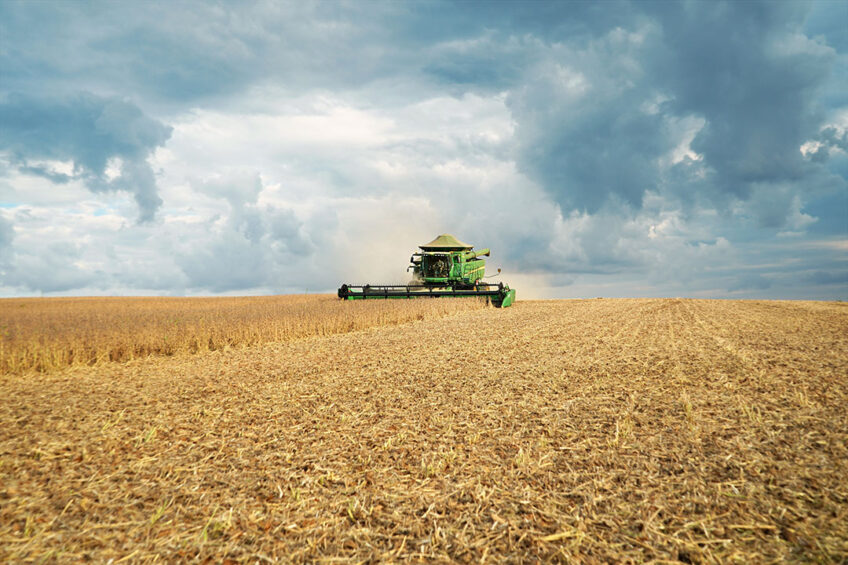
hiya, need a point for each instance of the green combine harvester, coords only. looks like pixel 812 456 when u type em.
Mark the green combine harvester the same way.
pixel 444 267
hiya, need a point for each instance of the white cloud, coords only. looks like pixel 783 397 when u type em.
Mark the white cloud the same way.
pixel 316 145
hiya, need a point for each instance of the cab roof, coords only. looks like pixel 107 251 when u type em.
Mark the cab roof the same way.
pixel 445 242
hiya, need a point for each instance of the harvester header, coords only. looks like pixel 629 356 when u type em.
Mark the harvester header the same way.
pixel 443 267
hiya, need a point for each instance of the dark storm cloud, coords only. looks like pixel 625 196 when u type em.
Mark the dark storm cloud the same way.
pixel 668 134
pixel 594 120
pixel 728 64
pixel 89 131
pixel 747 70
pixel 151 49
pixel 179 54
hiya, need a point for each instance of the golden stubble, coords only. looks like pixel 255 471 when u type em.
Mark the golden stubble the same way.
pixel 587 431
pixel 40 335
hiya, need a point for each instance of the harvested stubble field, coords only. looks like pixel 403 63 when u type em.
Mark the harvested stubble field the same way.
pixel 589 431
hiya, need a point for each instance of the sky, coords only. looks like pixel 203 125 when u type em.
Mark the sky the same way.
pixel 643 149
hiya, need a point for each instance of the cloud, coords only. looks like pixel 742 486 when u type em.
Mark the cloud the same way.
pixel 755 89
pixel 829 277
pixel 149 50
pixel 105 141
pixel 237 188
pixel 249 245
pixel 829 141
pixel 582 128
pixel 750 282
pixel 703 103
pixel 229 262
pixel 52 269
pixel 621 148
pixel 7 234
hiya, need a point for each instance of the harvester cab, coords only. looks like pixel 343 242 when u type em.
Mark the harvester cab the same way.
pixel 443 267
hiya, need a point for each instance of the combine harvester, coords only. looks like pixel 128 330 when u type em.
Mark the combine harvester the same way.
pixel 444 267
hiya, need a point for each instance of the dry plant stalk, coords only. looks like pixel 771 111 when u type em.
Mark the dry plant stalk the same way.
pixel 38 334
pixel 591 431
